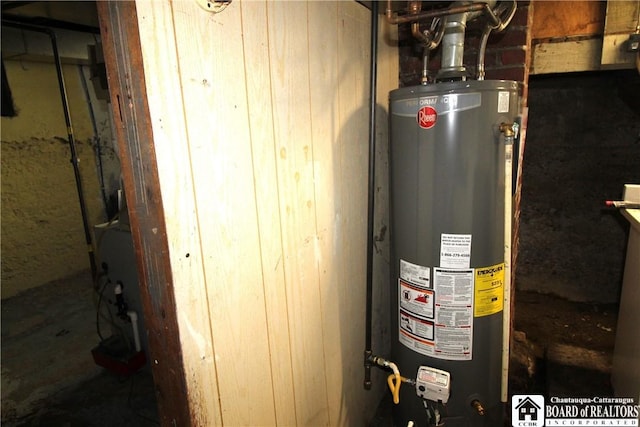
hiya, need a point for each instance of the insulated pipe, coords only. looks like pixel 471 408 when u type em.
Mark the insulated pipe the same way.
pixel 72 142
pixel 134 324
pixel 373 71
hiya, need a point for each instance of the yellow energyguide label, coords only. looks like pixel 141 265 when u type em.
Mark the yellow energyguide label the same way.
pixel 489 290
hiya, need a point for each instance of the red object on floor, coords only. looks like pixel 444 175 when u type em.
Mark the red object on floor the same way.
pixel 119 366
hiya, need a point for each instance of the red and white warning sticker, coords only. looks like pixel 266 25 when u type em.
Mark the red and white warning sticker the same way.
pixel 427 117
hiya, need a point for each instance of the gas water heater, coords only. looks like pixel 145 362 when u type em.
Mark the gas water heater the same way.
pixel 450 188
pixel 447 171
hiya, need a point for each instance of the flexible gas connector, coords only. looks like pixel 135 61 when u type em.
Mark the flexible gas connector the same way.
pixel 394 380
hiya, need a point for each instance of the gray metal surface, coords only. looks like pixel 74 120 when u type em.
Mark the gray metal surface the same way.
pixel 448 177
pixel 114 247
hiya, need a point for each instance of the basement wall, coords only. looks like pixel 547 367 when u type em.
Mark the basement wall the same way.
pixel 42 234
pixel 583 145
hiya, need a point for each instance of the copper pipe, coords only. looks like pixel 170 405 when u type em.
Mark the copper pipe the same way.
pixel 393 18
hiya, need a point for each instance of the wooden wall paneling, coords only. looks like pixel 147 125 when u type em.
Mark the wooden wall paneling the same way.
pixel 171 364
pixel 212 76
pixel 354 32
pixel 264 153
pixel 324 68
pixel 260 124
pixel 288 44
pixel 165 98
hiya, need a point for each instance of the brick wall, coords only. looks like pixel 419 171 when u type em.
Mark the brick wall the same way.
pixel 507 55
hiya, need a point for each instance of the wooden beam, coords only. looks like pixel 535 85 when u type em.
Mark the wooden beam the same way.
pixel 553 19
pixel 122 51
pixel 565 57
pixel 622 17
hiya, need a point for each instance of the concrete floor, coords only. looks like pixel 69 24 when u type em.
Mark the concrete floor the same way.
pixel 49 377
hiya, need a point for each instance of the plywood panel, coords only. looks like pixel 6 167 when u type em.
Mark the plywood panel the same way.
pixel 567 18
pixel 212 75
pixel 290 83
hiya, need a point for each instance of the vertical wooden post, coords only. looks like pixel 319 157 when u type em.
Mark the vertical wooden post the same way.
pixel 123 57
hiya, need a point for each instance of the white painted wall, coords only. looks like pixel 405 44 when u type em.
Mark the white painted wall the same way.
pixel 259 116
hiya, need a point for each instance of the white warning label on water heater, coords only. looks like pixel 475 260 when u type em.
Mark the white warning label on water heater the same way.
pixel 435 317
pixel 414 273
pixel 453 313
pixel 415 299
pixel 455 250
pixel 503 102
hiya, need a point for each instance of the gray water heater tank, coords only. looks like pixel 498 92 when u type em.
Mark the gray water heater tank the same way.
pixel 447 171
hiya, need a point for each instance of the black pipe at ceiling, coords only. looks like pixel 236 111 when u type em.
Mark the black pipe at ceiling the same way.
pixel 8 5
pixel 72 142
pixel 368 353
pixel 39 21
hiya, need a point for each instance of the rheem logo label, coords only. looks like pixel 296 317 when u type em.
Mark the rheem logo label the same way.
pixel 427 117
